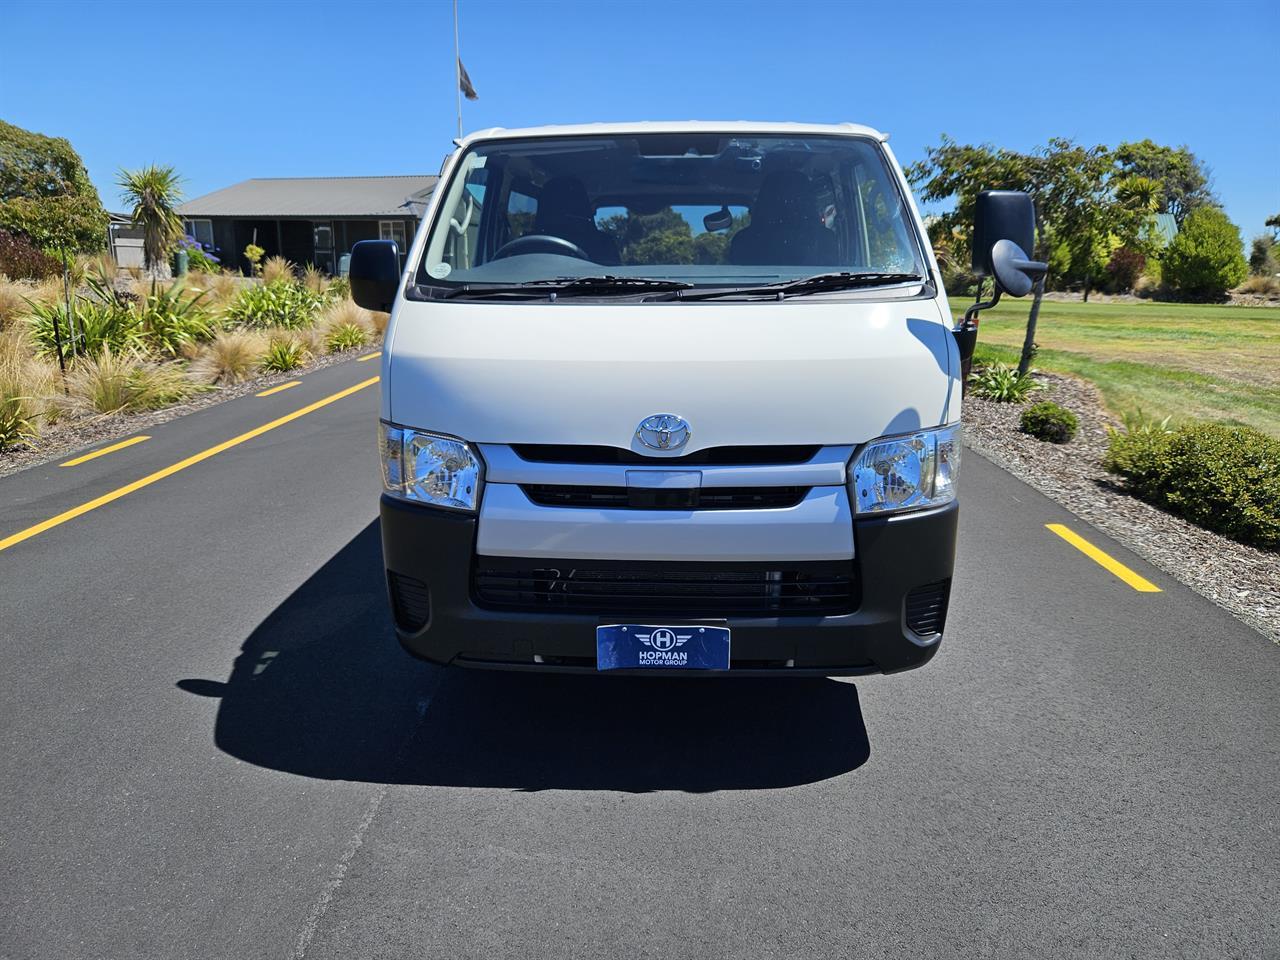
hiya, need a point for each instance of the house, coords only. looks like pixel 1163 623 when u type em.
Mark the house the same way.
pixel 307 219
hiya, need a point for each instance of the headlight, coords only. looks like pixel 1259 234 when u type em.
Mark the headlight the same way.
pixel 911 472
pixel 428 468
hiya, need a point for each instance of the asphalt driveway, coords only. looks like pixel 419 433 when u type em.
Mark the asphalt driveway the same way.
pixel 214 747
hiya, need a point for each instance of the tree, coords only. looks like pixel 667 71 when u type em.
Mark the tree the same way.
pixel 153 192
pixel 1077 189
pixel 1262 256
pixel 1183 179
pixel 1273 222
pixel 1206 258
pixel 666 237
pixel 46 194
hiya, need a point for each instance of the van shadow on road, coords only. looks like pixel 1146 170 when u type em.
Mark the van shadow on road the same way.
pixel 322 689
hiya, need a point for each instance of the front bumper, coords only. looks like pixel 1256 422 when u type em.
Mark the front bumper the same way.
pixel 434 551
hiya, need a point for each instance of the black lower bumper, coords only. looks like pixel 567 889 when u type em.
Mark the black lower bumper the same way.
pixel 429 555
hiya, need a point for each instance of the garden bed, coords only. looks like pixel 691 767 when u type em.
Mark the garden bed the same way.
pixel 1242 579
pixel 147 351
pixel 66 437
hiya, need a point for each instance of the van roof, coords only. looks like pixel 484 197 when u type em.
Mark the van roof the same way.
pixel 675 126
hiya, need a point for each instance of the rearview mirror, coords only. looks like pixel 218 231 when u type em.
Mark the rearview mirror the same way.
pixel 1004 230
pixel 375 274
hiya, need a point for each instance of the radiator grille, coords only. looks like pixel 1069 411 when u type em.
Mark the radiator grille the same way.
pixel 926 608
pixel 704 589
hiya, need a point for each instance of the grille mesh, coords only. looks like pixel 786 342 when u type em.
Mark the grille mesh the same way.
pixel 926 608
pixel 410 601
pixel 703 589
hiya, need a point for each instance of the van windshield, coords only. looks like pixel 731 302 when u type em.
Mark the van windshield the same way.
pixel 707 210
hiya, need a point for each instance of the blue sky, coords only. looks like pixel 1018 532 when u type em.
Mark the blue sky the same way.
pixel 225 91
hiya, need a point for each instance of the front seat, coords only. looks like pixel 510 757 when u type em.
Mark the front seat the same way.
pixel 564 211
pixel 784 228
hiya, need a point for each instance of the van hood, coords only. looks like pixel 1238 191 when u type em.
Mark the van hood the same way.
pixel 798 371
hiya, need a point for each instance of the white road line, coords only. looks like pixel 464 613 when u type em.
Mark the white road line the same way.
pixel 339 872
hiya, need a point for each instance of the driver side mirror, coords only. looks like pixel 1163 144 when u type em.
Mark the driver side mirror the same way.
pixel 1004 231
pixel 375 274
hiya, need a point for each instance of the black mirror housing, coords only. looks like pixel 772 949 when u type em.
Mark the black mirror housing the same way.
pixel 1001 215
pixel 375 274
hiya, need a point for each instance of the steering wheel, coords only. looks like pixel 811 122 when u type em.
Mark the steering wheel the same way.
pixel 540 243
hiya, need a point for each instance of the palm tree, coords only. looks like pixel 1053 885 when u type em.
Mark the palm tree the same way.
pixel 153 192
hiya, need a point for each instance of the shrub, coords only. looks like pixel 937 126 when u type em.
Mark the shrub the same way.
pixel 218 288
pixel 1223 478
pixel 314 279
pixel 22 374
pixel 276 269
pixel 113 383
pixel 254 254
pixel 25 385
pixel 344 311
pixel 346 336
pixel 99 325
pixel 1206 258
pixel 1261 285
pixel 17 420
pixel 20 259
pixel 285 354
pixel 1135 421
pixel 1124 268
pixel 13 303
pixel 378 319
pixel 199 260
pixel 171 318
pixel 1001 382
pixel 231 356
pixel 1263 256
pixel 282 303
pixel 339 288
pixel 1049 421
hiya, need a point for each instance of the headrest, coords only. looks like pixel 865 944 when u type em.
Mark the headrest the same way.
pixel 786 196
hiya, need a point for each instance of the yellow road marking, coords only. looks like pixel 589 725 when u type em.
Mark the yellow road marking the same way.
pixel 369 356
pixel 104 451
pixel 1105 560
pixel 170 470
pixel 283 386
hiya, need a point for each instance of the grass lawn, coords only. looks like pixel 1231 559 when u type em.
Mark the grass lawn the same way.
pixel 1188 361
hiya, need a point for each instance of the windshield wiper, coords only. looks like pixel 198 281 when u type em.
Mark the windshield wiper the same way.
pixel 574 286
pixel 816 284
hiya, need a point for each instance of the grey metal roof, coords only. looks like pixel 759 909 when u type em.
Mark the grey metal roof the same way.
pixel 316 197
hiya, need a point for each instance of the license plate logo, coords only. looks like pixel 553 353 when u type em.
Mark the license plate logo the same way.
pixel 630 646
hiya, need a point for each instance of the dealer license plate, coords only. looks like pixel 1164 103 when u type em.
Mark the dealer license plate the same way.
pixel 634 646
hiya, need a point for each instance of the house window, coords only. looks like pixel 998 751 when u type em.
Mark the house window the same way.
pixel 392 230
pixel 202 230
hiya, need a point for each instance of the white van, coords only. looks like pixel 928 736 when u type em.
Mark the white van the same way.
pixel 674 397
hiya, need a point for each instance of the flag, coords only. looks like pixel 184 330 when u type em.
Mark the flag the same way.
pixel 464 83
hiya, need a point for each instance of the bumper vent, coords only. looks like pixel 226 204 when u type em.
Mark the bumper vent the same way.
pixel 635 498
pixel 410 602
pixel 692 589
pixel 926 608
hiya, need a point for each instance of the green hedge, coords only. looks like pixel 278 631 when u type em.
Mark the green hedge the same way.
pixel 1049 421
pixel 1223 478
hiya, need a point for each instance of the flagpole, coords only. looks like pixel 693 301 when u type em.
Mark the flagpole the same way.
pixel 457 66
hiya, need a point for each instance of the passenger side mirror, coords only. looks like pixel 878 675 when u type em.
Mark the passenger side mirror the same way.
pixel 1004 229
pixel 375 274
